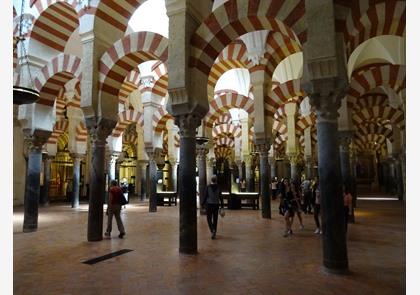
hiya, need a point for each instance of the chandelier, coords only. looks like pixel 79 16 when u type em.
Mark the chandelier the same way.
pixel 24 94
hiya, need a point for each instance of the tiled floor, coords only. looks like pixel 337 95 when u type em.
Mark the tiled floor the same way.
pixel 250 255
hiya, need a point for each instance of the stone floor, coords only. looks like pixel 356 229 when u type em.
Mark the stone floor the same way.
pixel 250 255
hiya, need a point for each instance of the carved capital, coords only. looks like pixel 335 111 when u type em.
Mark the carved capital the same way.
pixel 34 141
pixel 262 149
pixel 248 160
pixel 98 132
pixel 187 124
pixel 293 159
pixel 201 151
pixel 326 95
pixel 76 156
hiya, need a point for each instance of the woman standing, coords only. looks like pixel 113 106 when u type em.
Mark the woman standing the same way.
pixel 212 198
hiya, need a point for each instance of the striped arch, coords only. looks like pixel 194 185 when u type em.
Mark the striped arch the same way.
pixel 113 16
pixel 222 152
pixel 238 17
pixel 380 115
pixel 55 21
pixel 130 139
pixel 160 87
pixel 305 122
pixel 54 75
pixel 229 130
pixel 222 103
pixel 282 93
pixel 160 117
pixel 126 118
pixel 386 18
pixel 369 141
pixel 279 127
pixel 277 49
pixel 126 54
pixel 371 128
pixel 225 141
pixel 370 100
pixel 81 133
pixel 392 76
pixel 223 119
pixel 60 127
pixel 233 56
pixel 60 106
pixel 131 83
pixel 177 140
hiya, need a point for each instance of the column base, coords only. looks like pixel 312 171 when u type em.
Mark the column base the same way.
pixel 335 271
pixel 95 239
pixel 336 267
pixel 188 251
pixel 30 228
pixel 152 210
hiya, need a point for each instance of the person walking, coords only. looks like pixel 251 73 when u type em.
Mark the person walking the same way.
pixel 274 187
pixel 114 208
pixel 348 198
pixel 286 206
pixel 317 208
pixel 243 185
pixel 212 199
pixel 306 190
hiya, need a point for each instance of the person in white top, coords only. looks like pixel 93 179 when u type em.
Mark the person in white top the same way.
pixel 274 184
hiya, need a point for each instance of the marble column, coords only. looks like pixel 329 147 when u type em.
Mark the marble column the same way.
pixel 98 135
pixel 327 99
pixel 141 179
pixel 262 149
pixel 112 166
pixel 209 168
pixel 77 158
pixel 293 159
pixel 202 151
pixel 187 185
pixel 117 170
pixel 152 180
pixel 44 198
pixel 308 165
pixel 273 167
pixel 346 175
pixel 32 184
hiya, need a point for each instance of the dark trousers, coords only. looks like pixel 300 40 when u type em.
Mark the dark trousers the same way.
pixel 212 215
pixel 307 202
pixel 317 210
pixel 346 215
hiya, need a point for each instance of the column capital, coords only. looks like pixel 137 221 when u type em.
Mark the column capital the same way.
pixel 34 141
pixel 98 132
pixel 325 95
pixel 201 151
pixel 77 156
pixel 187 124
pixel 293 158
pixel 262 148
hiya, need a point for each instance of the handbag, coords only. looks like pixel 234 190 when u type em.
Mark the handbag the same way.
pixel 222 212
pixel 123 200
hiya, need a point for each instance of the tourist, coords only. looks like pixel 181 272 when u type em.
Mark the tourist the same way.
pixel 212 199
pixel 306 189
pixel 114 208
pixel 348 198
pixel 243 185
pixel 274 184
pixel 297 197
pixel 286 200
pixel 317 208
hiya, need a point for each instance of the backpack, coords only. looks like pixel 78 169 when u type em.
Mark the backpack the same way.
pixel 123 200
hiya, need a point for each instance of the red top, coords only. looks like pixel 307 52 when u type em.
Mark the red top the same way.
pixel 114 195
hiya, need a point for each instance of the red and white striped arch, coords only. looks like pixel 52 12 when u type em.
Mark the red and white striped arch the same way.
pixel 305 122
pixel 380 114
pixel 223 119
pixel 392 76
pixel 226 130
pixel 370 128
pixel 370 100
pixel 177 140
pixel 282 93
pixel 385 18
pixel 277 49
pixel 126 54
pixel 367 142
pixel 59 128
pixel 81 133
pixel 126 118
pixel 130 139
pixel 160 87
pixel 238 17
pixel 225 102
pixel 160 117
pixel 54 75
pixel 60 106
pixel 131 83
pixel 55 21
pixel 225 141
pixel 222 152
pixel 279 127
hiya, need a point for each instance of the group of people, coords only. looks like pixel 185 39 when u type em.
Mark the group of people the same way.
pixel 297 198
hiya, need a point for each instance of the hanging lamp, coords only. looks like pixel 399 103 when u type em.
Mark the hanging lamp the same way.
pixel 23 94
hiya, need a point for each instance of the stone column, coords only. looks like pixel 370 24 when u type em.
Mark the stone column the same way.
pixel 187 185
pixel 398 176
pixel 141 179
pixel 262 149
pixel 34 143
pixel 326 99
pixel 293 158
pixel 249 175
pixel 209 168
pixel 308 164
pixel 240 172
pixel 44 199
pixel 117 169
pixel 98 135
pixel 152 180
pixel 202 151
pixel 112 166
pixel 273 167
pixel 346 173
pixel 77 158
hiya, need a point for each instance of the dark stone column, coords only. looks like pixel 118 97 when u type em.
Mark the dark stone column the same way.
pixel 77 158
pixel 262 149
pixel 34 143
pixel 187 185
pixel 152 180
pixel 249 175
pixel 398 176
pixel 141 179
pixel 308 164
pixel 327 99
pixel 202 151
pixel 98 135
pixel 346 175
pixel 44 198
